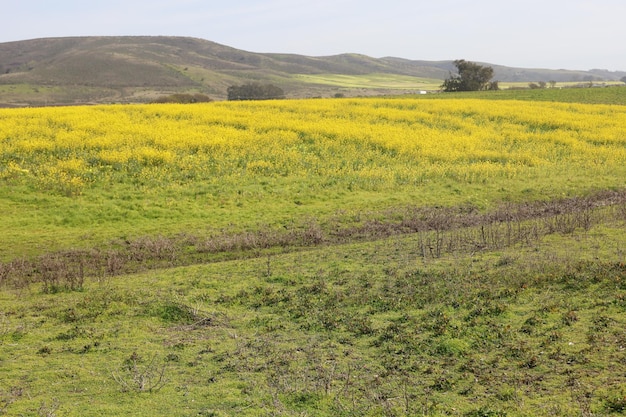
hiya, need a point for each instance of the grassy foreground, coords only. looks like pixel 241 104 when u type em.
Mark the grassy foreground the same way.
pixel 370 329
pixel 286 272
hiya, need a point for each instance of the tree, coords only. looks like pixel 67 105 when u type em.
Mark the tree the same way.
pixel 471 77
pixel 534 86
pixel 255 91
pixel 493 86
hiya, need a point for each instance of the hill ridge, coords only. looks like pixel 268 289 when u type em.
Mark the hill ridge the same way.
pixel 99 69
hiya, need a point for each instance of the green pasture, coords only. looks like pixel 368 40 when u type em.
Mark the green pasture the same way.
pixel 35 222
pixel 368 329
pixel 612 94
pixel 373 81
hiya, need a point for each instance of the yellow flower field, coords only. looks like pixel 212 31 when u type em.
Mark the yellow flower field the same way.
pixel 364 143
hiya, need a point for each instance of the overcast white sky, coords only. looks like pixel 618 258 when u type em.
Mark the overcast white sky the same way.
pixel 570 34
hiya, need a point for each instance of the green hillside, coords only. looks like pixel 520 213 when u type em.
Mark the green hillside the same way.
pixel 82 70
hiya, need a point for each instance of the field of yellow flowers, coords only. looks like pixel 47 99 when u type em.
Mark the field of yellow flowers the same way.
pixel 304 148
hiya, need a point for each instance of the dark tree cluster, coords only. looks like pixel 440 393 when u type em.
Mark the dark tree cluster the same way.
pixel 255 91
pixel 471 77
pixel 183 98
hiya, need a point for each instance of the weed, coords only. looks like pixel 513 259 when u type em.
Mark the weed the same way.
pixel 9 396
pixel 485 412
pixel 44 350
pixel 138 375
pixel 615 401
pixel 530 324
pixel 569 318
pixel 48 409
pixel 507 393
pixel 174 312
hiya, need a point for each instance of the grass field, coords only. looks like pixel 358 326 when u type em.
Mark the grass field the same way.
pixel 372 81
pixel 442 255
pixel 88 175
pixel 615 94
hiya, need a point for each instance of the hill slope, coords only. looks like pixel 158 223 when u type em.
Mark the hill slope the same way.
pixel 138 68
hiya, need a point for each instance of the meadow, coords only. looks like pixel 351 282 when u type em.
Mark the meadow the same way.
pixel 87 175
pixel 389 256
pixel 372 81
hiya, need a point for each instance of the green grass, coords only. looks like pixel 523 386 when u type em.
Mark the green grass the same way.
pixel 361 329
pixel 372 81
pixel 597 95
pixel 35 222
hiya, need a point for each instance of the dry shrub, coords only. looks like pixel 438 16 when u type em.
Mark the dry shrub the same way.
pixel 439 230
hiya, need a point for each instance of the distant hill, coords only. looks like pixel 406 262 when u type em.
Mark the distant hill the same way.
pixel 79 70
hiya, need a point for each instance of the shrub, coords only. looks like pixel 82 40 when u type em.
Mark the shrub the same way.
pixel 255 91
pixel 183 98
pixel 615 402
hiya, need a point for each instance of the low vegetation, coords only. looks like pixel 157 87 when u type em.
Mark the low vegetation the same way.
pixel 385 82
pixel 255 91
pixel 563 93
pixel 375 328
pixel 337 257
pixel 441 231
pixel 183 98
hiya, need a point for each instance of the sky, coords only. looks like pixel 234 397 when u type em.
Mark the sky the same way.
pixel 554 34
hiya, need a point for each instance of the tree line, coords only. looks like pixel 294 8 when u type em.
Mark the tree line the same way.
pixel 250 91
pixel 255 91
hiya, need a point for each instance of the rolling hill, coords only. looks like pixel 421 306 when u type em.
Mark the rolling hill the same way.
pixel 80 70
